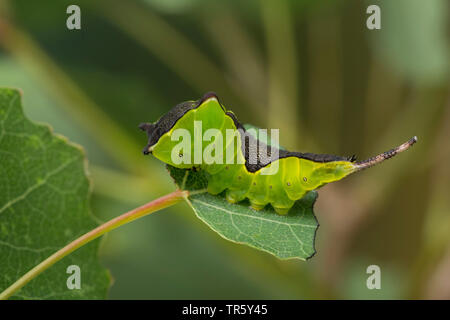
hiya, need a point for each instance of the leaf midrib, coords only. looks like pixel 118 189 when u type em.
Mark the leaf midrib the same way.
pixel 249 216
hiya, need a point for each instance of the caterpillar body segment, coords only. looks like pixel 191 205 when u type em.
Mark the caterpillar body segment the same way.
pixel 231 165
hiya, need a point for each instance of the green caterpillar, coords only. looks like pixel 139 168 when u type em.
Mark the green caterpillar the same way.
pixel 297 172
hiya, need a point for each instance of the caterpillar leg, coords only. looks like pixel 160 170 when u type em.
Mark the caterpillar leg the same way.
pixel 281 211
pixel 234 196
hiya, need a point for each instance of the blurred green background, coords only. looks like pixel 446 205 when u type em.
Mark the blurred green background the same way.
pixel 309 67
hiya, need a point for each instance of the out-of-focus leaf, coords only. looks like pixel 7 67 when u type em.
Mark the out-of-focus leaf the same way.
pixel 262 136
pixel 414 39
pixel 44 195
pixel 289 236
pixel 172 6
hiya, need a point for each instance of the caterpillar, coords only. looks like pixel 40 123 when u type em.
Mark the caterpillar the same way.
pixel 297 173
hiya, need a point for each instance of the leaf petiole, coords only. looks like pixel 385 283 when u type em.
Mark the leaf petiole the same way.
pixel 155 205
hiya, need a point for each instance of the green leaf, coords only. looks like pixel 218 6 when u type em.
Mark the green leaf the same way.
pixel 44 205
pixel 289 236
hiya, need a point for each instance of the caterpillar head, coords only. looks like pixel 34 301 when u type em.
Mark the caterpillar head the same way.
pixel 157 129
pixel 149 128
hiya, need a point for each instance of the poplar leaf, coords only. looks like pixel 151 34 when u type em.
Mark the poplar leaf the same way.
pixel 288 236
pixel 44 205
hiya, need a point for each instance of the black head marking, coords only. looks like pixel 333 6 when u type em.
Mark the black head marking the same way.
pixel 146 126
pixel 165 123
pixel 207 96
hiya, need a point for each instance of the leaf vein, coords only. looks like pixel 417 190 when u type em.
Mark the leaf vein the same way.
pixel 36 185
pixel 249 216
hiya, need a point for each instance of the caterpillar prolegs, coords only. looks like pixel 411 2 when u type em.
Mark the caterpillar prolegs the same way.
pixel 237 162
